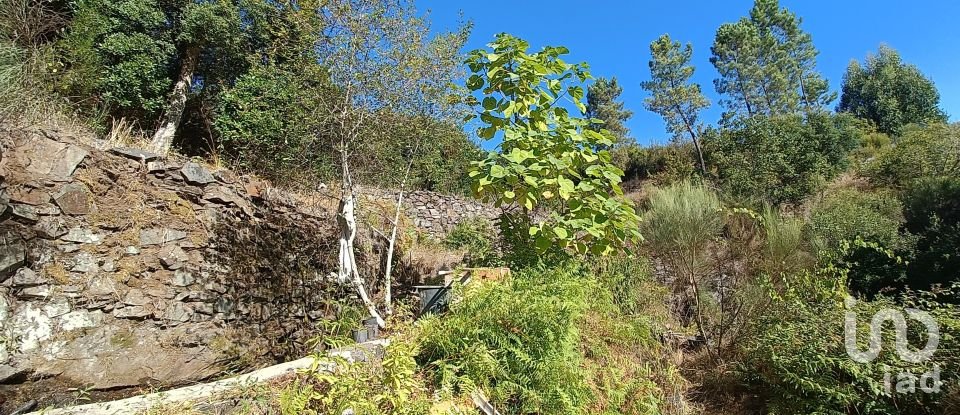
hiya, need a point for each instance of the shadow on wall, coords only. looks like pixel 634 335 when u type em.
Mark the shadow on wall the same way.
pixel 273 290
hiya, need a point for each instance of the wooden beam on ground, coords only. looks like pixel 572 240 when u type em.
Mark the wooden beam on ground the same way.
pixel 143 403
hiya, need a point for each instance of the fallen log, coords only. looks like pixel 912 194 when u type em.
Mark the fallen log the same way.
pixel 359 353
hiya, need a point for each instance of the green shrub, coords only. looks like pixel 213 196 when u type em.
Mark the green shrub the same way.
pixel 921 152
pixel 797 362
pixel 932 218
pixel 268 124
pixel 477 237
pixel 548 341
pixel 845 216
pixel 663 163
pixel 779 159
pixel 517 340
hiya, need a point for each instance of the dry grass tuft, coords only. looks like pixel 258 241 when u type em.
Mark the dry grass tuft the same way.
pixel 58 272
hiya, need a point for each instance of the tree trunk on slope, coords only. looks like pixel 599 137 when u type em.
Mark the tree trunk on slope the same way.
pixel 348 232
pixel 163 138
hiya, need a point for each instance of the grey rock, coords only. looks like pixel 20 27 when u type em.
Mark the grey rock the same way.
pixel 160 236
pixel 8 372
pixel 182 278
pixel 136 297
pixel 134 312
pixel 51 227
pixel 26 212
pixel 156 166
pixel 134 153
pixel 178 313
pixel 102 286
pixel 26 277
pixel 172 257
pixel 108 266
pixel 132 251
pixel 12 252
pixel 84 263
pixel 4 201
pixel 40 291
pixel 202 308
pixel 82 236
pixel 196 174
pixel 223 305
pixel 48 209
pixel 215 287
pixel 74 199
pixel 81 319
pixel 49 158
pixel 57 307
pixel 70 248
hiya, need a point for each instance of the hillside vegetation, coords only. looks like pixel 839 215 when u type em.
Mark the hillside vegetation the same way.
pixel 734 270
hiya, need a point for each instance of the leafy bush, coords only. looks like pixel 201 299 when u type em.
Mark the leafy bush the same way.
pixel 516 339
pixel 921 152
pixel 548 341
pixel 779 159
pixel 932 217
pixel 663 163
pixel 847 215
pixel 798 363
pixel 477 237
pixel 268 124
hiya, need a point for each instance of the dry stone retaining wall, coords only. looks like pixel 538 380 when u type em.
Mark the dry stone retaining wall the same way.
pixel 121 269
pixel 436 213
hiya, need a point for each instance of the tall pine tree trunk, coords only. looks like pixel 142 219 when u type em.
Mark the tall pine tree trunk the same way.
pixel 163 138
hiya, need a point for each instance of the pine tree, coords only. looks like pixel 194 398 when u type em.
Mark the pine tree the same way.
pixel 674 97
pixel 767 64
pixel 603 104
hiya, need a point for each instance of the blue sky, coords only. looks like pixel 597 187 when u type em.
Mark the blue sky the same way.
pixel 614 37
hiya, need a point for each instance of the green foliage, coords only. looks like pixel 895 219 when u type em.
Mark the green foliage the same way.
pixel 767 65
pixel 889 93
pixel 930 151
pixel 932 216
pixel 477 237
pixel 552 341
pixel 849 214
pixel 122 54
pixel 267 124
pixel 390 388
pixel 674 97
pixel 797 361
pixel 547 157
pixel 682 219
pixel 603 104
pixel 664 164
pixel 517 340
pixel 780 159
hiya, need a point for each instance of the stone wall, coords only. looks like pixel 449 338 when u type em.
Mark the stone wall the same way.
pixel 120 269
pixel 436 213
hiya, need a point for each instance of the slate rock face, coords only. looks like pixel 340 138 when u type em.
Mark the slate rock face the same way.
pixel 52 159
pixel 196 174
pixel 160 236
pixel 74 199
pixel 13 252
pixel 134 153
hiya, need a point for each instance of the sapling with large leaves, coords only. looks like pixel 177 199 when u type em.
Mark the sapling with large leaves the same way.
pixel 548 157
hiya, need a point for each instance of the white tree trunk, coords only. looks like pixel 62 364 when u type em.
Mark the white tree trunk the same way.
pixel 348 261
pixel 163 138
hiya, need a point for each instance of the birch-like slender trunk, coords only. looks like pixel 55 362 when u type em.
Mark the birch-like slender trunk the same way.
pixel 347 219
pixel 388 295
pixel 163 138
